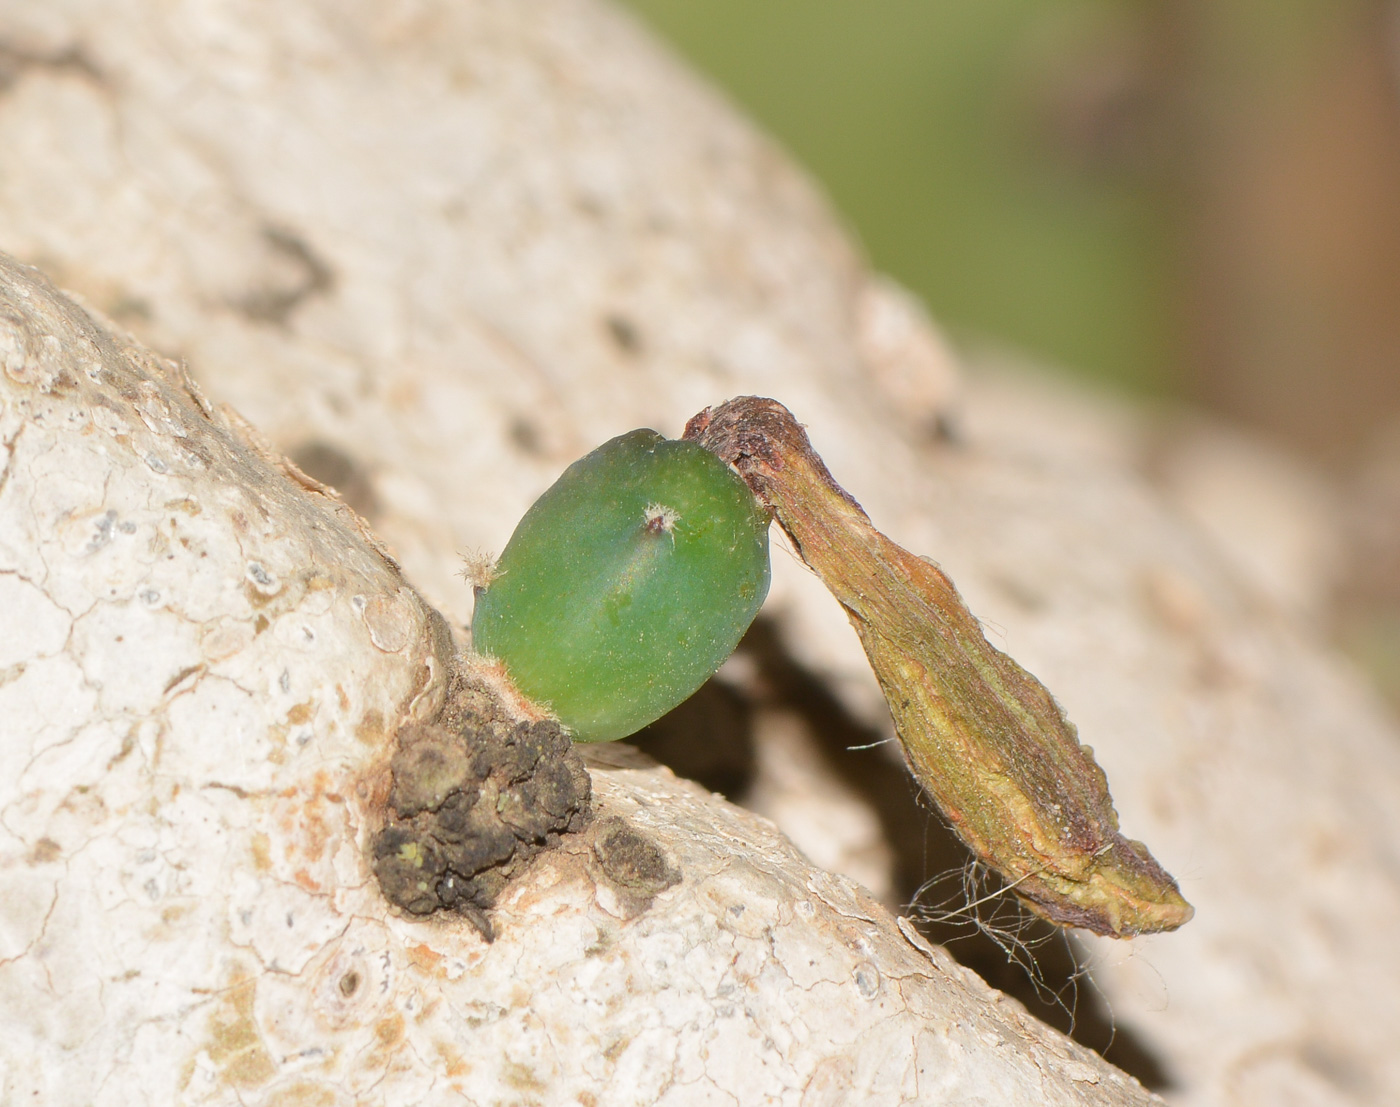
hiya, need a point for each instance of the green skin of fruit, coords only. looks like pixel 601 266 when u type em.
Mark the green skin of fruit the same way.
pixel 627 584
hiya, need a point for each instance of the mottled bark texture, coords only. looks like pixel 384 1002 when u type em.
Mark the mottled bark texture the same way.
pixel 242 771
pixel 436 250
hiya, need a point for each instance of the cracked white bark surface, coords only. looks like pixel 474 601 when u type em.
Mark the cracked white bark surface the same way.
pixel 462 244
pixel 207 663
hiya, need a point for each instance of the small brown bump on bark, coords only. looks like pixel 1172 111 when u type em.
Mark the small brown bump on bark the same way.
pixel 635 865
pixel 472 798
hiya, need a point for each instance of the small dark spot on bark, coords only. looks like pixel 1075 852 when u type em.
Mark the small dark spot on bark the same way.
pixel 590 205
pixel 472 799
pixel 867 979
pixel 1025 594
pixel 101 532
pixel 349 983
pixel 126 307
pixel 197 452
pixel 334 467
pixel 63 382
pixel 180 676
pixel 633 863
pixel 525 433
pixel 624 333
pixel 947 428
pixel 1338 1066
pixel 15 62
pixel 296 274
pixel 45 850
pixel 128 744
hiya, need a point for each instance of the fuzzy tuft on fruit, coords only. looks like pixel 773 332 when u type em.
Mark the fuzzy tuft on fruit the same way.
pixel 626 585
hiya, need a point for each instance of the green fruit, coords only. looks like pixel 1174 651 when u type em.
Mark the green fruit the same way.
pixel 627 584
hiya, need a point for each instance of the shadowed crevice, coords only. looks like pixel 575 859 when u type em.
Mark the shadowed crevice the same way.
pixel 710 739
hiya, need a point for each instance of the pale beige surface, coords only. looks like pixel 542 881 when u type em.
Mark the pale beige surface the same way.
pixel 206 666
pixel 462 243
pixel 1251 759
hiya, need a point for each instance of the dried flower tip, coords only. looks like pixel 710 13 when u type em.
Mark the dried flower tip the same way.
pixel 661 519
pixel 479 570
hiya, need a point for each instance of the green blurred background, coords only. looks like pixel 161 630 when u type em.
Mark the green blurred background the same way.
pixel 1185 198
pixel 926 123
pixel 1194 201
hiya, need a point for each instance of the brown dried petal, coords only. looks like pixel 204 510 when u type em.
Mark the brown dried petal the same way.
pixel 983 736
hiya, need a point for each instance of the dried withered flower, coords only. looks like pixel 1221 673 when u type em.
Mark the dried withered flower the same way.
pixel 983 736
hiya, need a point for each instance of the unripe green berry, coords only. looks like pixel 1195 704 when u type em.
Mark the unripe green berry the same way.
pixel 627 584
